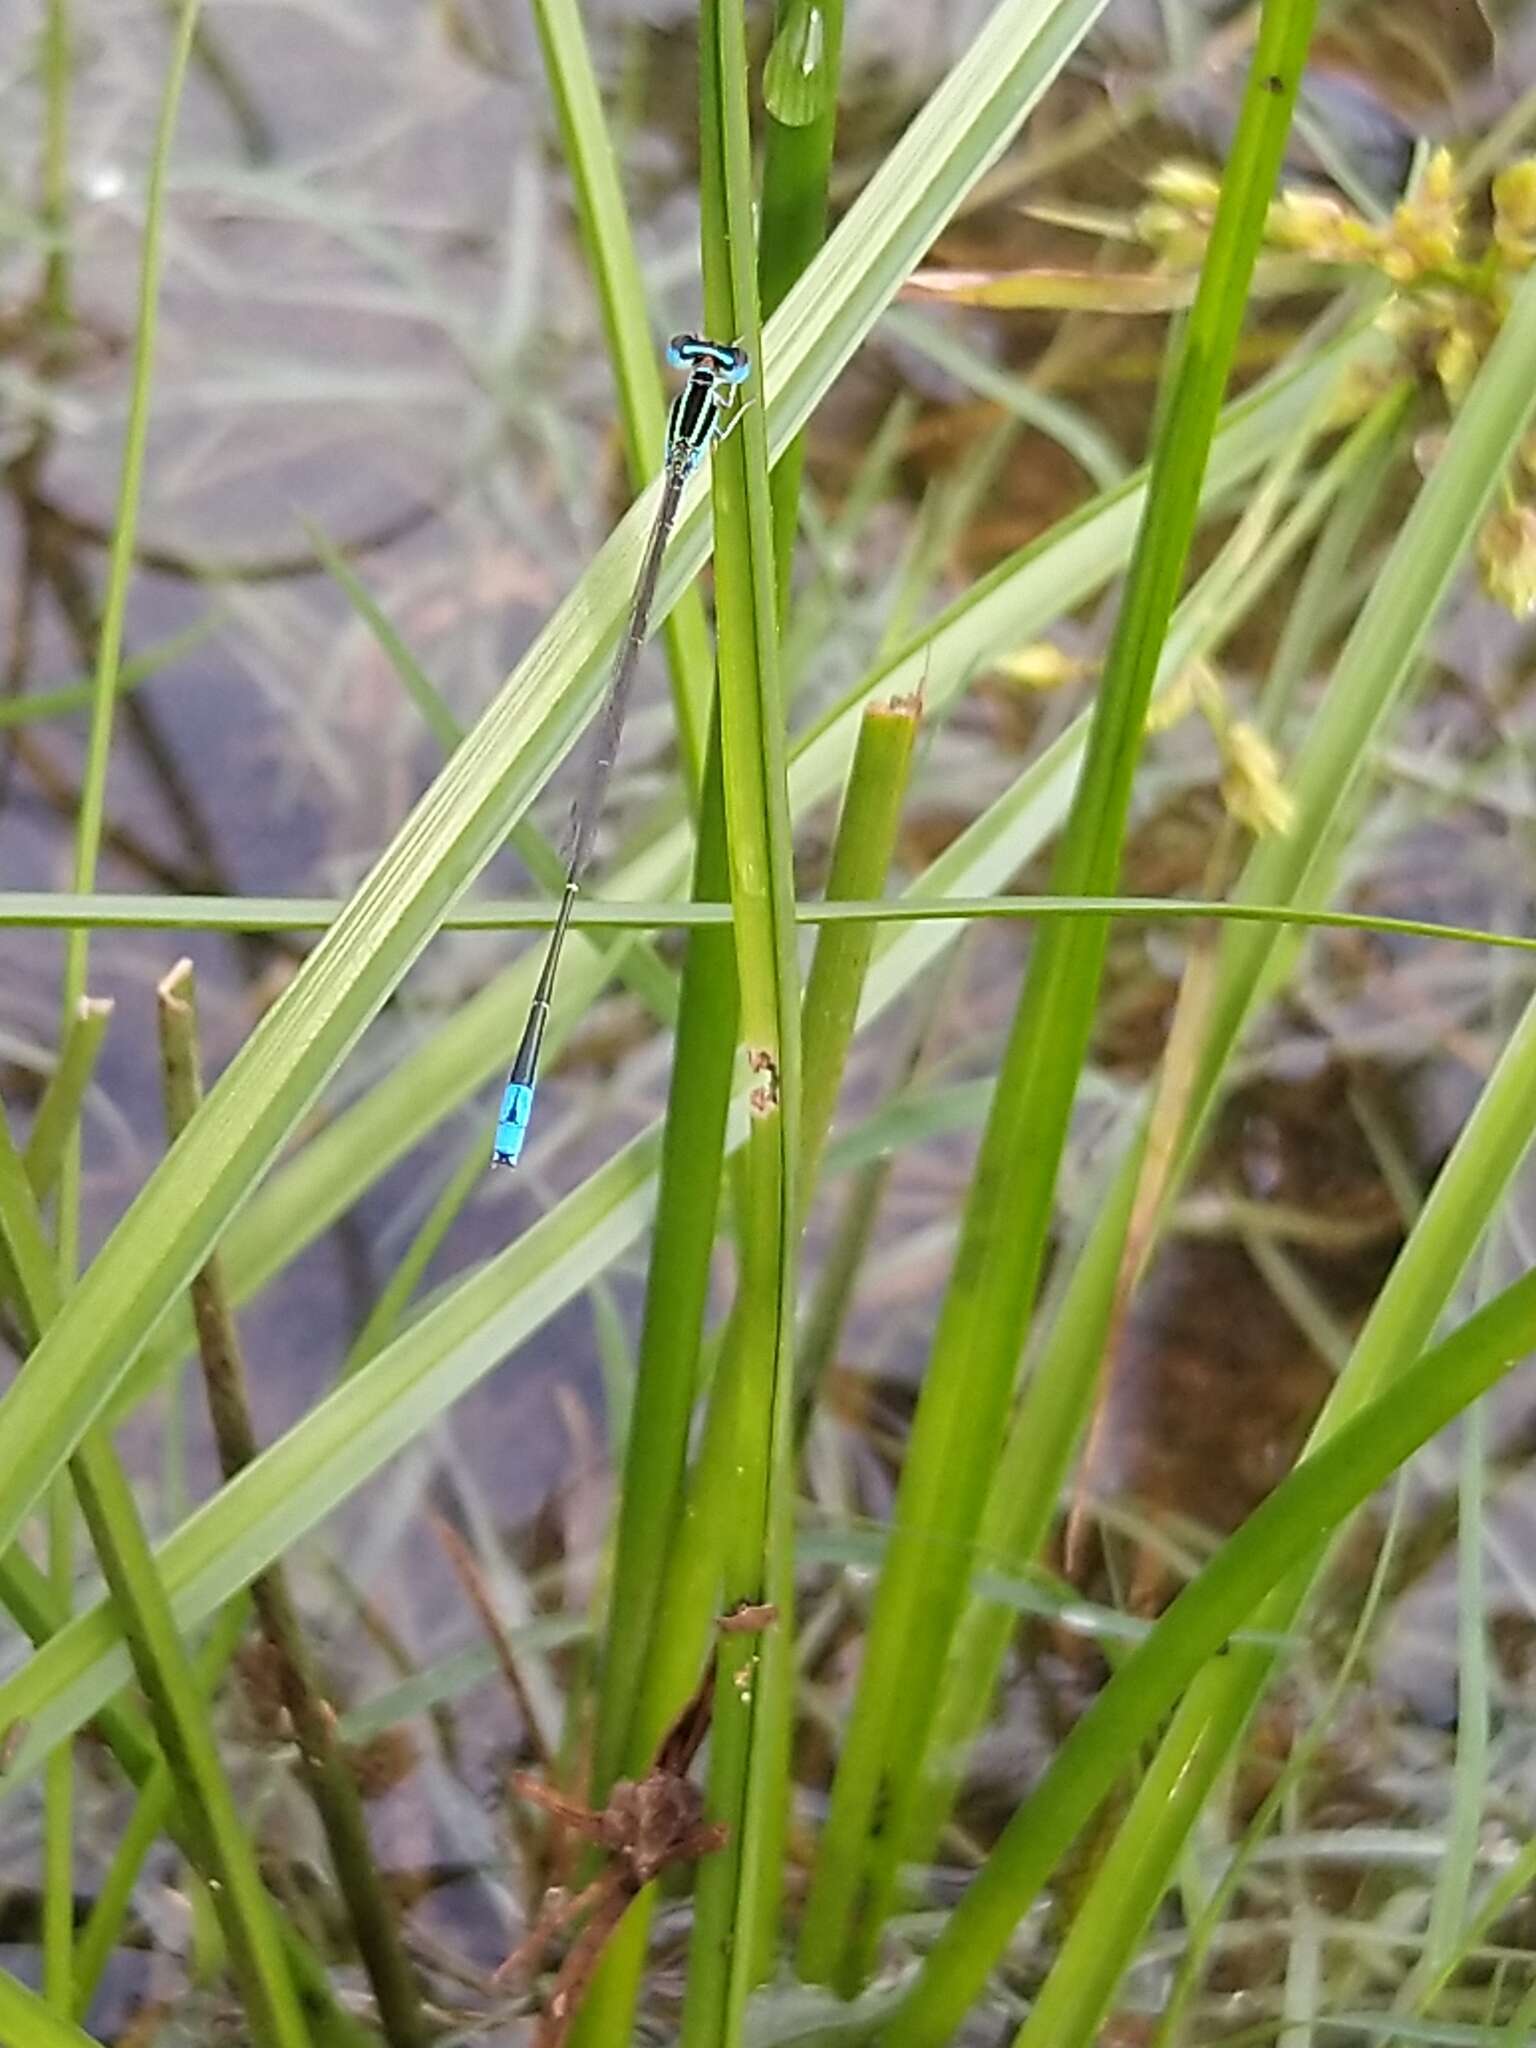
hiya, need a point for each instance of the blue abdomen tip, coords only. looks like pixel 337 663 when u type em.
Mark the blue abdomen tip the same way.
pixel 512 1124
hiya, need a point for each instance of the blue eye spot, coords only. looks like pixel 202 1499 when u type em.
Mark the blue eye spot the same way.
pixel 726 361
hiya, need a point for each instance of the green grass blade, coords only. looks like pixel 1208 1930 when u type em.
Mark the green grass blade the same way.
pixel 45 704
pixel 28 1596
pixel 151 1818
pixel 297 1481
pixel 677 1292
pixel 120 560
pixel 226 1856
pixel 89 817
pixel 982 1322
pixel 1055 1403
pixel 58 1113
pixel 922 905
pixel 737 1893
pixel 383 1319
pixel 58 79
pixel 861 856
pixel 326 1773
pixel 1210 1720
pixel 801 128
pixel 1282 1534
pixel 26 2022
pixel 652 1532
pixel 1469 1787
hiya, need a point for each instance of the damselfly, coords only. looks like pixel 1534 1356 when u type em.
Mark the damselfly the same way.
pixel 698 417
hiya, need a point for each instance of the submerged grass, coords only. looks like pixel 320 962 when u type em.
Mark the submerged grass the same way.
pixel 716 1442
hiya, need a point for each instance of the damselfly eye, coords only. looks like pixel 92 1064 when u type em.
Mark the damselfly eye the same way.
pixel 684 350
pixel 736 365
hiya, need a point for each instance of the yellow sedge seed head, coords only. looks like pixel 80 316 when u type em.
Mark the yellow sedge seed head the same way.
pixel 1196 687
pixel 1514 199
pixel 1506 556
pixel 1178 239
pixel 1359 387
pixel 1456 361
pixel 1437 187
pixel 1425 234
pixel 1316 224
pixel 1043 666
pixel 1189 186
pixel 1251 787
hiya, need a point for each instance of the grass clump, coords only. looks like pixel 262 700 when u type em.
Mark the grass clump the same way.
pixel 999 1358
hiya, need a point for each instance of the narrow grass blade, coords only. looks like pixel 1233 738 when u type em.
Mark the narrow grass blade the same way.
pixel 662 1603
pixel 300 1479
pixel 28 1596
pixel 969 1381
pixel 325 1771
pixel 120 559
pixel 58 56
pixel 59 1111
pixel 410 1268
pixel 922 905
pixel 1054 1406
pixel 861 858
pixel 227 1856
pixel 1312 1501
pixel 677 1290
pixel 39 705
pixel 224 1853
pixel 737 1892
pixel 59 1129
pixel 26 2022
pixel 153 1816
pixel 800 86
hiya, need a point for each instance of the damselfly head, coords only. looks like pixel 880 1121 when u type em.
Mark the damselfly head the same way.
pixel 722 359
